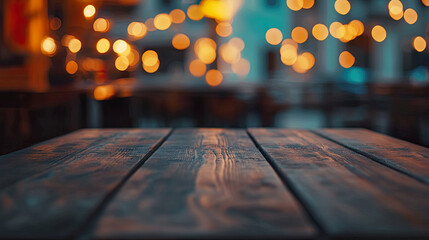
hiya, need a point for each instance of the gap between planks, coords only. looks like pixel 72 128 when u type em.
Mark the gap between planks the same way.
pixel 86 230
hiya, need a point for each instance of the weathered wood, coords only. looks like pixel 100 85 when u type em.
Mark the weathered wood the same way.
pixel 55 203
pixel 348 194
pixel 206 183
pixel 40 157
pixel 406 157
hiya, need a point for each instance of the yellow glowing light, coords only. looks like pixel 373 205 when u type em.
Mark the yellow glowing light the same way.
pixel 133 57
pixel 419 44
pixel 180 41
pixel 217 9
pixel 194 12
pixel 104 92
pixel 395 7
pixel 223 29
pixel 237 43
pixel 358 25
pixel 122 63
pixel 288 54
pixel 241 68
pixel 205 49
pixel 425 2
pixel 410 16
pixel 214 77
pixel 229 53
pixel 101 25
pixel 342 6
pixel 395 14
pixel 197 68
pixel 137 30
pixel 103 45
pixel 48 46
pixel 337 30
pixel 274 36
pixel 299 34
pixel 304 62
pixel 162 21
pixel 120 46
pixel 151 69
pixel 346 59
pixel 177 16
pixel 295 5
pixel 71 67
pixel 150 58
pixel 74 45
pixel 289 41
pixel 378 33
pixel 89 11
pixel 320 32
pixel 308 4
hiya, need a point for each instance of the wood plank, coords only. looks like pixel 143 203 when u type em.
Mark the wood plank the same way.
pixel 55 203
pixel 406 157
pixel 40 157
pixel 348 194
pixel 204 183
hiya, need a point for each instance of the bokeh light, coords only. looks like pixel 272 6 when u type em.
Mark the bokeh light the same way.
pixel 205 49
pixel 194 12
pixel 295 5
pixel 104 92
pixel 120 46
pixel 299 34
pixel 410 16
pixel 101 25
pixel 307 4
pixel 419 44
pixel 304 62
pixel 224 29
pixel 151 69
pixel 180 41
pixel 342 6
pixel 162 21
pixel 378 33
pixel 177 16
pixel 137 30
pixel 71 67
pixel 320 32
pixel 48 46
pixel 149 58
pixel 197 68
pixel 337 30
pixel 122 63
pixel 74 45
pixel 274 36
pixel 89 11
pixel 103 45
pixel 214 77
pixel 288 54
pixel 241 68
pixel 346 59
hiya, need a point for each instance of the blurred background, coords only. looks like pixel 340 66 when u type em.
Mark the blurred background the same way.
pixel 70 64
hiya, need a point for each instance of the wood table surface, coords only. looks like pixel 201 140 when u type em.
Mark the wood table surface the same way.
pixel 216 184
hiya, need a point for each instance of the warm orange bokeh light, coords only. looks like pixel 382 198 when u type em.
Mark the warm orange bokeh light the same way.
pixel 230 53
pixel 162 21
pixel 358 25
pixel 74 45
pixel 288 54
pixel 205 49
pixel 151 69
pixel 197 68
pixel 180 41
pixel 177 16
pixel 425 2
pixel 137 30
pixel 150 58
pixel 304 62
pixel 89 11
pixel 307 4
pixel 48 46
pixel 378 33
pixel 346 59
pixel 194 12
pixel 295 5
pixel 122 63
pixel 214 77
pixel 71 67
pixel 410 16
pixel 149 25
pixel 104 92
pixel 337 30
pixel 120 46
pixel 299 34
pixel 342 6
pixel 223 29
pixel 237 43
pixel 419 44
pixel 103 45
pixel 101 25
pixel 274 36
pixel 320 32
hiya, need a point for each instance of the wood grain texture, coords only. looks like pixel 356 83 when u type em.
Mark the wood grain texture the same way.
pixel 56 202
pixel 204 183
pixel 40 157
pixel 403 156
pixel 348 194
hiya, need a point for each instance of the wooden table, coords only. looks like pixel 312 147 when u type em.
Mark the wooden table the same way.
pixel 216 183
